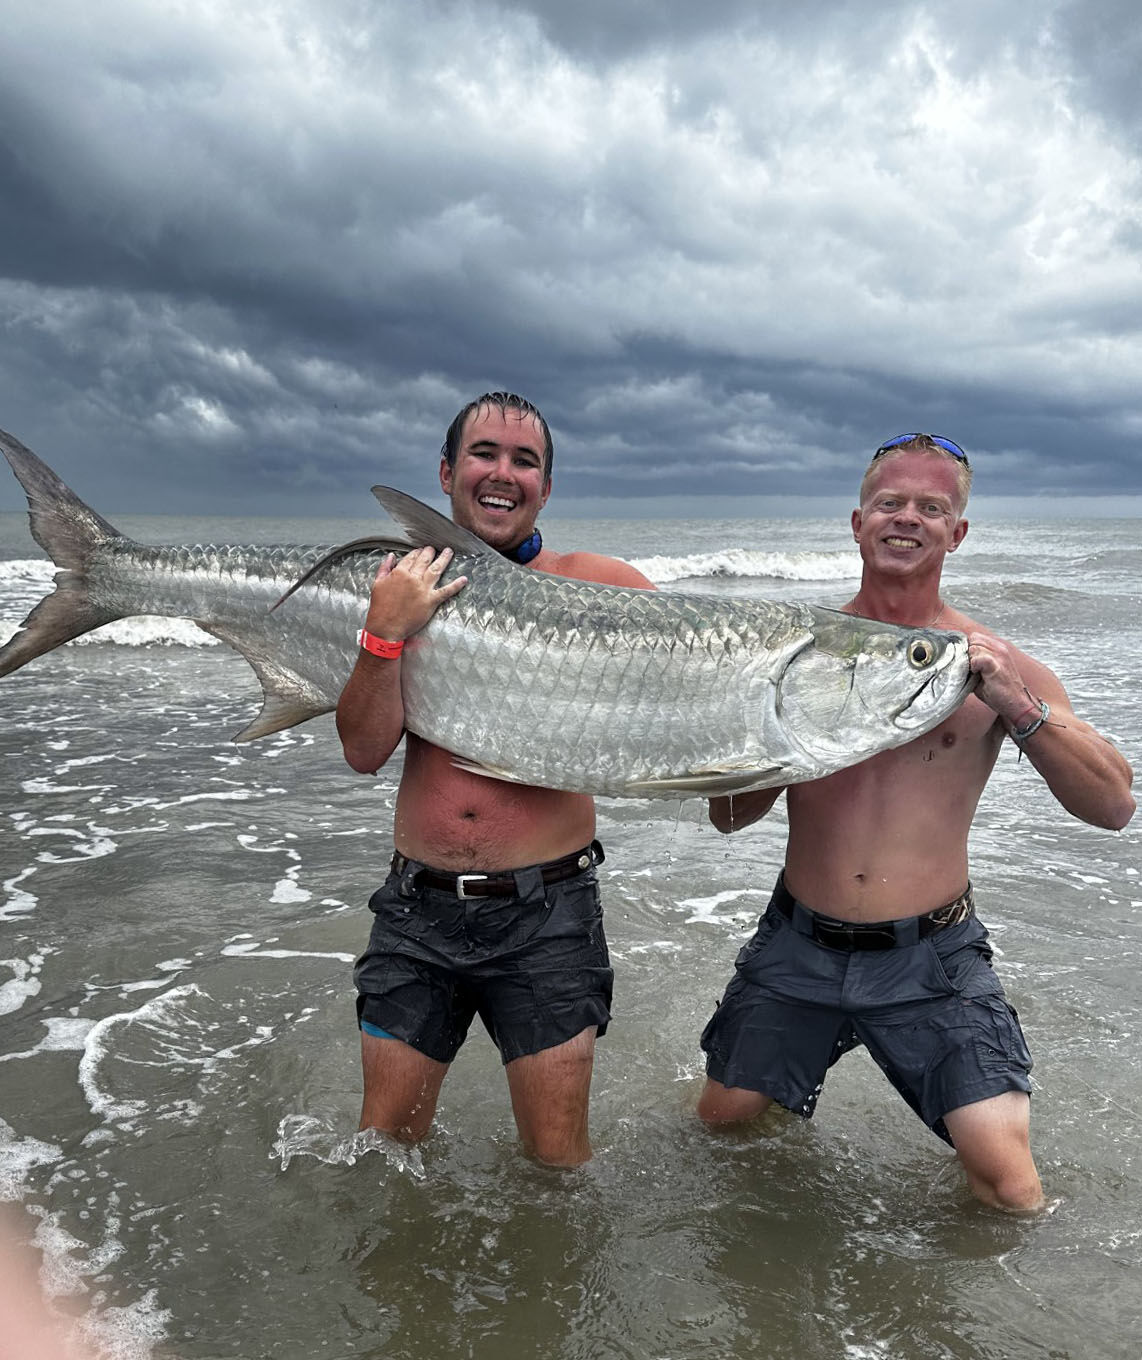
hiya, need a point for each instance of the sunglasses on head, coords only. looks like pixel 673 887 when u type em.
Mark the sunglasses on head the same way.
pixel 946 444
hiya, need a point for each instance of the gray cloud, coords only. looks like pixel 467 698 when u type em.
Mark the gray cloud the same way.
pixel 255 257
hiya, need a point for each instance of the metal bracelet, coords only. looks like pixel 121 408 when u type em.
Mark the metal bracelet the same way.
pixel 1020 734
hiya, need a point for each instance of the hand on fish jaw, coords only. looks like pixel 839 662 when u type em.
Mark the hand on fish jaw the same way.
pixel 902 683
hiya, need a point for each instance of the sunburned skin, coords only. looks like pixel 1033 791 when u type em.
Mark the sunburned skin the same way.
pixel 451 819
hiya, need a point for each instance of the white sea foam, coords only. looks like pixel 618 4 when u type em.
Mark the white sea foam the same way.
pixel 37 571
pixel 99 1043
pixel 20 902
pixel 251 951
pixel 19 1156
pixel 93 842
pixel 751 562
pixel 144 630
pixel 122 1332
pixel 231 796
pixel 129 1332
pixel 287 890
pixel 46 785
pixel 64 1034
pixel 24 983
pixel 175 1030
pixel 705 909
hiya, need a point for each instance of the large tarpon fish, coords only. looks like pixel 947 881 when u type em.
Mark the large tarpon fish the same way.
pixel 524 676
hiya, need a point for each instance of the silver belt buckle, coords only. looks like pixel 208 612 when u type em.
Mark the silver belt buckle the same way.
pixel 462 881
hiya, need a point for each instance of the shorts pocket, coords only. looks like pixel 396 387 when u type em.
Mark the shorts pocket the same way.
pixel 999 1041
pixel 963 961
pixel 575 911
pixel 750 959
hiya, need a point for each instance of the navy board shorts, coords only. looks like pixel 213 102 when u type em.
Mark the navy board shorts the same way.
pixel 929 1008
pixel 534 966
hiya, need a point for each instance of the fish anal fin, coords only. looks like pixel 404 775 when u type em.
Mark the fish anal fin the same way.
pixel 277 714
pixel 287 698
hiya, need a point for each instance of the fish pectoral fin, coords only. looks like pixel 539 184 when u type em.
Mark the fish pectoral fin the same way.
pixel 358 545
pixel 486 771
pixel 708 783
pixel 286 698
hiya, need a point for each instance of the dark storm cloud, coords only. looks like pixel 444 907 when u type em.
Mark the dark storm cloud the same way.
pixel 255 257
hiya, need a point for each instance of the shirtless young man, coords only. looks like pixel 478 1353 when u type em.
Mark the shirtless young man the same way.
pixel 886 842
pixel 524 946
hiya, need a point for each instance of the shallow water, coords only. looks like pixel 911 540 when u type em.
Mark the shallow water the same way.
pixel 178 1057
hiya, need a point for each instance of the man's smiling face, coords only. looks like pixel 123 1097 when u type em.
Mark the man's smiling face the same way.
pixel 909 518
pixel 497 486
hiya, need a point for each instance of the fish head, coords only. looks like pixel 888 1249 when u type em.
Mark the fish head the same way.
pixel 859 687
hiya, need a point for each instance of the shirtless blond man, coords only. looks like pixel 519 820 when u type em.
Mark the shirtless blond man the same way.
pixel 491 905
pixel 873 918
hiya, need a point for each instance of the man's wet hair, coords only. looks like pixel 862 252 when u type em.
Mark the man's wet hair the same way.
pixel 505 402
pixel 922 443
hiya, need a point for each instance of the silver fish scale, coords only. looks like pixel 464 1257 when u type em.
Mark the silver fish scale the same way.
pixel 545 675
pixel 229 591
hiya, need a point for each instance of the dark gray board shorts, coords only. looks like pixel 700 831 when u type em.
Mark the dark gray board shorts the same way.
pixel 534 967
pixel 931 1013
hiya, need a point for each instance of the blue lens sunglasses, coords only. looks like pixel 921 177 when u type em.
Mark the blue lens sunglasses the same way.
pixel 946 444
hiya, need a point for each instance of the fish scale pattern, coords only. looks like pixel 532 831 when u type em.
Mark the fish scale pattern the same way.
pixel 620 685
pixel 550 681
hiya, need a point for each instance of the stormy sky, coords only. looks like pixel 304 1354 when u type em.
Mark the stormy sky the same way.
pixel 254 255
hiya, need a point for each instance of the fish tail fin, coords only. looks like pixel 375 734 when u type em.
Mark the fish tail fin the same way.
pixel 68 531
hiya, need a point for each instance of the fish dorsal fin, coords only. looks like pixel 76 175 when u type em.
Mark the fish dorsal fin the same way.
pixel 428 527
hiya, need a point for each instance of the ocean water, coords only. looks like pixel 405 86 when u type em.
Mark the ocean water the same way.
pixel 179 1080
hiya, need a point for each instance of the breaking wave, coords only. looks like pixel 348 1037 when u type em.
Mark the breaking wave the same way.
pixel 24 581
pixel 752 563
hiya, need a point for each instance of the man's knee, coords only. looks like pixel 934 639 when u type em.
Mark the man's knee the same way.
pixel 1018 1192
pixel 720 1104
pixel 993 1140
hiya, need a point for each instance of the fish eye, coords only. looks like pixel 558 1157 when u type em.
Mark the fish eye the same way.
pixel 921 653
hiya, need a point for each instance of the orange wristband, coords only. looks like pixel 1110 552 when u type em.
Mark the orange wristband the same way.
pixel 379 646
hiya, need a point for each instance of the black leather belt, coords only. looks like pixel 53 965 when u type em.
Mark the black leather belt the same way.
pixel 852 935
pixel 501 883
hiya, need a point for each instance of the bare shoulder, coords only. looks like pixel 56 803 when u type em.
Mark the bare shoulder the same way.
pixel 587 566
pixel 1040 679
